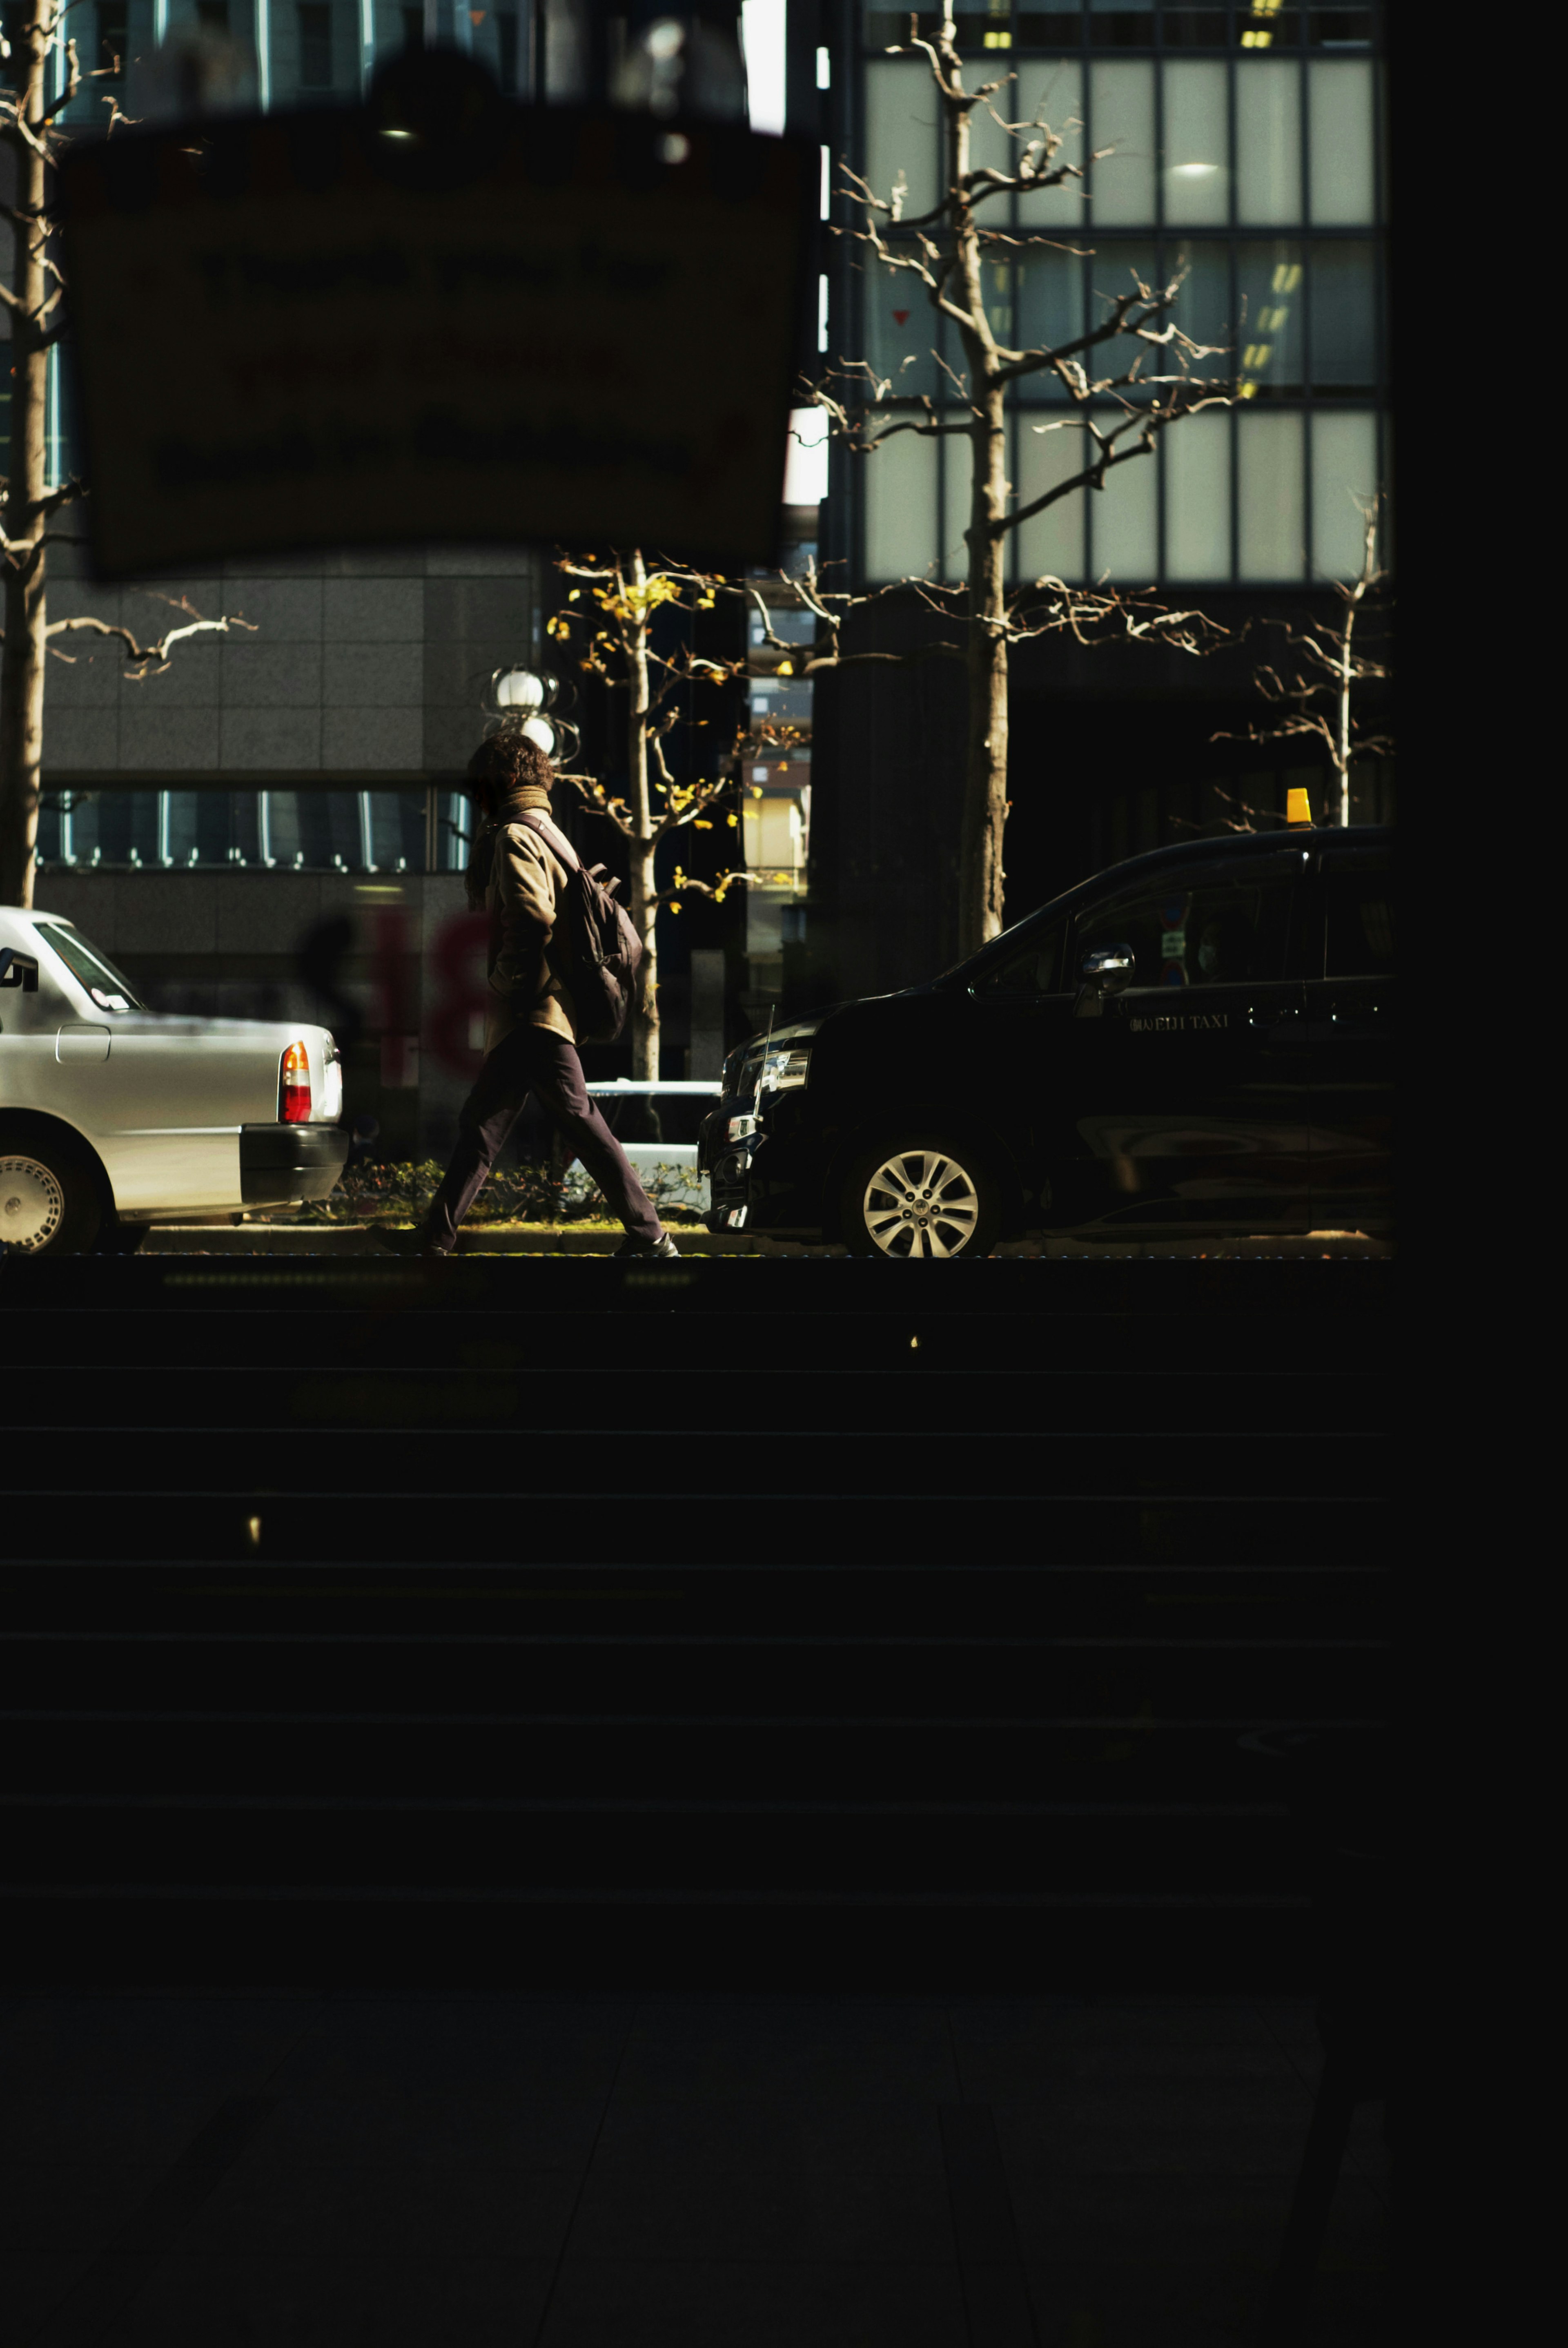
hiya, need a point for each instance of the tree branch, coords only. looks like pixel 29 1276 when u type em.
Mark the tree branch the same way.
pixel 73 83
pixel 615 811
pixel 146 660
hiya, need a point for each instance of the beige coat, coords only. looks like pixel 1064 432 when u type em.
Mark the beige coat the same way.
pixel 525 887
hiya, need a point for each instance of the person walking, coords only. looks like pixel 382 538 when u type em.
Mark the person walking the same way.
pixel 530 1030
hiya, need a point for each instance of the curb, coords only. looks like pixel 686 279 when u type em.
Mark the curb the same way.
pixel 361 1240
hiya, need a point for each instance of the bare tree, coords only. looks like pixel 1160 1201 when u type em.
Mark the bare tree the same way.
pixel 1314 686
pixel 1122 412
pixel 30 501
pixel 617 646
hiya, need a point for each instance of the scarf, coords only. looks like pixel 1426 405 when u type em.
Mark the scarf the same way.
pixel 482 850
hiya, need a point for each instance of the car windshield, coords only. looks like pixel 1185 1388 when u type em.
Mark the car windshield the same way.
pixel 109 988
pixel 1014 945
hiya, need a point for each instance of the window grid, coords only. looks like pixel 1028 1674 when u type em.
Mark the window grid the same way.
pixel 1292 36
pixel 1293 31
pixel 233 829
pixel 361 33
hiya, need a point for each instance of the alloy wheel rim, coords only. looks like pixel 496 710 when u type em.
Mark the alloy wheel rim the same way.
pixel 921 1203
pixel 32 1204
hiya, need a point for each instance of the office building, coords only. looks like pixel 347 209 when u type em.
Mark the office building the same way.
pixel 1250 151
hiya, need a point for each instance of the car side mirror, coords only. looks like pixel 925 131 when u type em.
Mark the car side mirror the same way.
pixel 1104 972
pixel 18 970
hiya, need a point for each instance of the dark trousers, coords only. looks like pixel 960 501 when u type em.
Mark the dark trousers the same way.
pixel 534 1060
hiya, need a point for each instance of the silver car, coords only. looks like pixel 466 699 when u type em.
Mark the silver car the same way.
pixel 113 1117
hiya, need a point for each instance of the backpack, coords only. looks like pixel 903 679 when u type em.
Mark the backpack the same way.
pixel 602 948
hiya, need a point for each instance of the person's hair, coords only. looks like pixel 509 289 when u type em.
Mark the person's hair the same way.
pixel 507 761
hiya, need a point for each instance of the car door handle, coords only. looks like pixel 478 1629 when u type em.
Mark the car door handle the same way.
pixel 1282 1027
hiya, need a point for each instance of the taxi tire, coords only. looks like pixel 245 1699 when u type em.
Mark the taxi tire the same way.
pixel 962 1155
pixel 82 1216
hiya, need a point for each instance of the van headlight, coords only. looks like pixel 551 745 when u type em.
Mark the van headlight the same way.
pixel 785 1069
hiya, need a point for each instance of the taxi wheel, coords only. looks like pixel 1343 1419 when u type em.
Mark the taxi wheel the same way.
pixel 48 1200
pixel 922 1196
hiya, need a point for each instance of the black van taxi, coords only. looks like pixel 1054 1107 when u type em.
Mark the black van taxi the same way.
pixel 1197 1040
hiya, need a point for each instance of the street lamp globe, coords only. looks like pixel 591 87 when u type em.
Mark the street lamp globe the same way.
pixel 523 689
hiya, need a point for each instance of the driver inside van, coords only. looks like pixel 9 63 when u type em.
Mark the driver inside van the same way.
pixel 1225 948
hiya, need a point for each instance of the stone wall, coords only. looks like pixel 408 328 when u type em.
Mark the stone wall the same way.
pixel 370 667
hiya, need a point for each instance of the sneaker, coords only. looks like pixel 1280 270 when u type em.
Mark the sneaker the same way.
pixel 664 1247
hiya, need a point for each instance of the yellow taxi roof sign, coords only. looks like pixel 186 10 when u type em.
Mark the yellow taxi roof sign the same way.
pixel 1297 806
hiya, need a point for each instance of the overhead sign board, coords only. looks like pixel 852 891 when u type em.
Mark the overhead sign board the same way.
pixel 504 322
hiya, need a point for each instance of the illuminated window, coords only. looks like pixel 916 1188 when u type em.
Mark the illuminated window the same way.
pixel 1196 176
pixel 1339 104
pixel 901 130
pixel 1122 105
pixel 1268 143
pixel 1271 486
pixel 1271 343
pixel 901 519
pixel 1197 482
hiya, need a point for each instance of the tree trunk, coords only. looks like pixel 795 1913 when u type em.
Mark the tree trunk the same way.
pixel 21 723
pixel 645 921
pixel 981 873
pixel 1342 757
pixel 644 912
pixel 984 818
pixel 25 602
pixel 982 876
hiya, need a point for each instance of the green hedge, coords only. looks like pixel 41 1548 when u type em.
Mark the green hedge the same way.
pixel 400 1193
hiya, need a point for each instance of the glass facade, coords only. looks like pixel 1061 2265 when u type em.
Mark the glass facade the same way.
pixel 290 52
pixel 305 831
pixel 1247 156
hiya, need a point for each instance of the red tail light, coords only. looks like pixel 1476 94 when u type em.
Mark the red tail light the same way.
pixel 294 1086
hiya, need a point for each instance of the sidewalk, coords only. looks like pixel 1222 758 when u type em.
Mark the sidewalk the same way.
pixel 537 1239
pixel 451 2171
